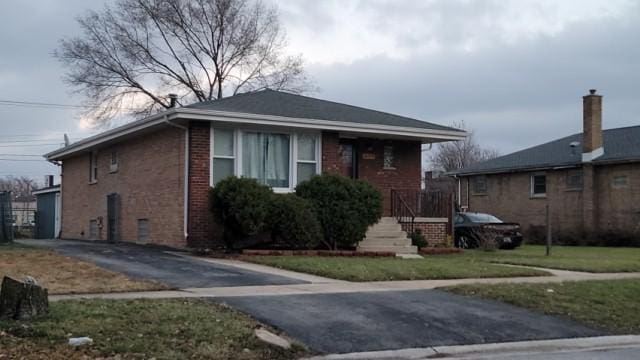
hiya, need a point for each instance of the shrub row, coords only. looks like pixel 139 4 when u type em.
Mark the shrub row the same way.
pixel 327 209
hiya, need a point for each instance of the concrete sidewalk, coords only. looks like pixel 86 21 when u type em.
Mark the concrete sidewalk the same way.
pixel 319 285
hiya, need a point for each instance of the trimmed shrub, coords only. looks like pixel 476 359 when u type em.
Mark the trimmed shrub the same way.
pixel 293 223
pixel 345 207
pixel 241 205
pixel 418 239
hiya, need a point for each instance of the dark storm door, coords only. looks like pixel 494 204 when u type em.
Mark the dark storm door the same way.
pixel 348 158
pixel 113 218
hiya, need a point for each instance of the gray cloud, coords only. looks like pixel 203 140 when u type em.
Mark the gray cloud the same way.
pixel 513 70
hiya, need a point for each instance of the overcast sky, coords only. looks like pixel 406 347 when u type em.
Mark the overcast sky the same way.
pixel 514 71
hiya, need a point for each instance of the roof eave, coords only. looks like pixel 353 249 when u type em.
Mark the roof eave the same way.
pixel 423 134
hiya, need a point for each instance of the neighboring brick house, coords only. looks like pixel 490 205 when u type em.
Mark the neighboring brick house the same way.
pixel 148 181
pixel 590 181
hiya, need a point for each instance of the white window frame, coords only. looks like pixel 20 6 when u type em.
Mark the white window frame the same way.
pixel 293 152
pixel 532 187
pixel 212 155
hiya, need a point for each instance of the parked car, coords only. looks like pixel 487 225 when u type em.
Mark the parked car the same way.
pixel 471 227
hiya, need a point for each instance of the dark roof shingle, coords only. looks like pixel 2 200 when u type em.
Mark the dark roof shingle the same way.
pixel 278 103
pixel 619 144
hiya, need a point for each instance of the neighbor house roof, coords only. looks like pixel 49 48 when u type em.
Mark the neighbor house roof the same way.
pixel 621 144
pixel 277 108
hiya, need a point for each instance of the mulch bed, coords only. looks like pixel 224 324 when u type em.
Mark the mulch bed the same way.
pixel 439 251
pixel 344 253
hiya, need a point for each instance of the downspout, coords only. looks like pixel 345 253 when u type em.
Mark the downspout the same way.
pixel 185 220
pixel 58 163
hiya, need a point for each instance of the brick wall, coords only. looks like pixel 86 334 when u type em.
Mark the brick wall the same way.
pixel 201 227
pixel 434 232
pixel 404 175
pixel 149 181
pixel 600 212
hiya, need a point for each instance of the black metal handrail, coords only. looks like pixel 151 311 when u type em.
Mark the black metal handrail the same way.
pixel 401 211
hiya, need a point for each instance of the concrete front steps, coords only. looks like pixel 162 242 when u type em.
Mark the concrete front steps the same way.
pixel 387 235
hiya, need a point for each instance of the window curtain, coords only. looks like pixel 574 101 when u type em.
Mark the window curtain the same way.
pixel 265 157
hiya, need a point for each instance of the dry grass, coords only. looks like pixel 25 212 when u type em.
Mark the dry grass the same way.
pixel 65 275
pixel 140 329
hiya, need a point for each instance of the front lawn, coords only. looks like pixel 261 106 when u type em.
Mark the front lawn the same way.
pixel 139 329
pixel 386 269
pixel 577 258
pixel 610 304
pixel 65 275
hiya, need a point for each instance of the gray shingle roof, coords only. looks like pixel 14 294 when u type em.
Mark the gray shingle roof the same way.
pixel 278 103
pixel 621 144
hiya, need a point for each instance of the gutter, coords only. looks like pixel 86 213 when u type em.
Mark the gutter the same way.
pixel 185 220
pixel 423 134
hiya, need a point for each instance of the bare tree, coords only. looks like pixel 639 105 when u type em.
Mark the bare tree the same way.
pixel 132 54
pixel 455 155
pixel 19 186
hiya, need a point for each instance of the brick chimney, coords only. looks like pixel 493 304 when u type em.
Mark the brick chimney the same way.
pixel 592 126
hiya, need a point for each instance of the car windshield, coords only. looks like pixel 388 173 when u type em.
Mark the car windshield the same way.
pixel 482 218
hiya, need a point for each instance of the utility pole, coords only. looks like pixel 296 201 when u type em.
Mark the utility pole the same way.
pixel 548 231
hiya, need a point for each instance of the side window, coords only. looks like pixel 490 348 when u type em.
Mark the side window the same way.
pixel 113 165
pixel 619 181
pixel 388 157
pixel 458 219
pixel 307 157
pixel 479 186
pixel 538 185
pixel 224 155
pixel 574 180
pixel 93 167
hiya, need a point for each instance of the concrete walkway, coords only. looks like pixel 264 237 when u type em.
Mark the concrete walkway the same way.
pixel 320 285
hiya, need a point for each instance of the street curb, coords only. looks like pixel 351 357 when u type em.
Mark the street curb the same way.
pixel 463 351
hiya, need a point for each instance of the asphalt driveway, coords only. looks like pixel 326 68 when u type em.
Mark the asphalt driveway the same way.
pixel 155 264
pixel 355 322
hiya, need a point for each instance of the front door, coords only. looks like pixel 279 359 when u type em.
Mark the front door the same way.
pixel 348 158
pixel 113 215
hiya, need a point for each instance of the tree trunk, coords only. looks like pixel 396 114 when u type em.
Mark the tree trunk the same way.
pixel 22 300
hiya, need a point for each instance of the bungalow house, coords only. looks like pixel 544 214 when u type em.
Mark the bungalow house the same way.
pixel 590 181
pixel 148 181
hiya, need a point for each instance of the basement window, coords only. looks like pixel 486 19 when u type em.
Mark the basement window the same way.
pixel 143 231
pixel 93 229
pixel 538 185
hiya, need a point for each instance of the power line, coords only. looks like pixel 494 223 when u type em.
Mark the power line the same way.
pixel 20 155
pixel 21 160
pixel 24 141
pixel 20 145
pixel 48 105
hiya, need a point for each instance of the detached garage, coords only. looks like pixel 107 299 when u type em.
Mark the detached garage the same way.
pixel 47 213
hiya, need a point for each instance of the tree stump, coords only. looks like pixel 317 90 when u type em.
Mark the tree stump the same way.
pixel 22 299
